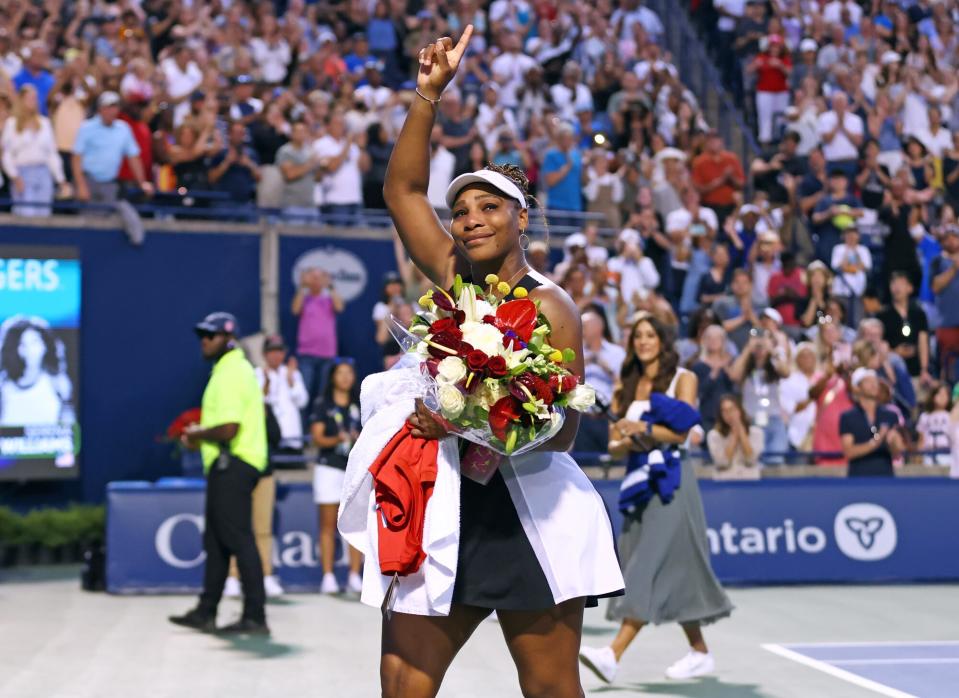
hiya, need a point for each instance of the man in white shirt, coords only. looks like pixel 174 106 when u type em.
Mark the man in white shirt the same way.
pixel 841 132
pixel 374 94
pixel 283 390
pixel 603 361
pixel 832 13
pixel 270 51
pixel 935 138
pixel 851 262
pixel 570 95
pixel 442 169
pixel 636 272
pixel 244 107
pixel 512 14
pixel 343 161
pixel 182 76
pixel 631 12
pixel 510 67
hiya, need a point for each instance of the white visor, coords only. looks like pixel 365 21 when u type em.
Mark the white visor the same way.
pixel 501 182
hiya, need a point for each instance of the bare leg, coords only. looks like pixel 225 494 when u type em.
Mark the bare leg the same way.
pixel 694 634
pixel 356 560
pixel 417 650
pixel 624 638
pixel 327 535
pixel 545 648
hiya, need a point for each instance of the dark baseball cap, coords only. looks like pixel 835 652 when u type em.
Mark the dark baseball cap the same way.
pixel 273 342
pixel 217 323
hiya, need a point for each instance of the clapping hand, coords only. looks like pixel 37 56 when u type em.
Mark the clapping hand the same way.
pixel 438 64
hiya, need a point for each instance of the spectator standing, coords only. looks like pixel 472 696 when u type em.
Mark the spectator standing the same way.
pixel 713 284
pixel 458 128
pixel 30 158
pixel 604 189
pixel 635 272
pixel 787 291
pixel 570 95
pixel 232 439
pixel 906 328
pixel 316 304
pixel 734 444
pixel 736 311
pixel 815 306
pixel 562 173
pixel 760 370
pixel 842 134
pixel 298 163
pixel 335 426
pixel 284 392
pixel 718 176
pixel 945 284
pixel 603 361
pixel 851 262
pixel 870 439
pixel 344 161
pixel 271 51
pixel 799 408
pixel 102 144
pixel 933 427
pixel 442 170
pixel 835 212
pixel 712 369
pixel 235 170
pixel 765 265
pixel 182 76
pixel 772 68
pixel 34 72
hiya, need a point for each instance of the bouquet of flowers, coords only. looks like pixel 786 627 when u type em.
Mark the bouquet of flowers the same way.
pixel 492 376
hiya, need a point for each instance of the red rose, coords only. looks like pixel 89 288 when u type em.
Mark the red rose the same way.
pixel 496 367
pixel 446 324
pixel 476 360
pixel 562 384
pixel 445 339
pixel 504 412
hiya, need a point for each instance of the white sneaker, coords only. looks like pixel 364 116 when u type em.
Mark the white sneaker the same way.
pixel 601 661
pixel 692 665
pixel 355 584
pixel 232 588
pixel 272 586
pixel 329 584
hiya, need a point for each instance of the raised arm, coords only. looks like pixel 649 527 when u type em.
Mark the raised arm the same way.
pixel 408 173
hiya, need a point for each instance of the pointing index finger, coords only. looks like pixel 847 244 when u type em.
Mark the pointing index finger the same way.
pixel 463 42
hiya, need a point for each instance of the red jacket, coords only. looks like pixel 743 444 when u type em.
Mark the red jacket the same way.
pixel 403 474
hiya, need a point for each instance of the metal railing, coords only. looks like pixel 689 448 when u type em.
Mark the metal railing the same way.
pixel 699 73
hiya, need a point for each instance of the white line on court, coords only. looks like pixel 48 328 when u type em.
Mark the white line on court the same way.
pixel 879 643
pixel 916 660
pixel 879 688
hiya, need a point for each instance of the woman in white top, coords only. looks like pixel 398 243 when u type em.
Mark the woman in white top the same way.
pixel 30 157
pixel 34 386
pixel 734 445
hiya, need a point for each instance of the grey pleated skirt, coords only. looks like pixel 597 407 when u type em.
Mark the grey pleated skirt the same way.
pixel 665 559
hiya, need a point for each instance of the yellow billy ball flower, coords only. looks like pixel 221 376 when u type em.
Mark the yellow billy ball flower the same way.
pixel 492 279
pixel 556 356
pixel 520 292
pixel 502 287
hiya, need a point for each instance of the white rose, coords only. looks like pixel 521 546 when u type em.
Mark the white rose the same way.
pixel 486 338
pixel 582 398
pixel 451 401
pixel 450 370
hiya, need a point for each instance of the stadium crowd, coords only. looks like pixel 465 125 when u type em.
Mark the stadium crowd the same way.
pixel 835 250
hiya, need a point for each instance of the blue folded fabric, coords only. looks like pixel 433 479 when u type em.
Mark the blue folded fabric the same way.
pixel 657 472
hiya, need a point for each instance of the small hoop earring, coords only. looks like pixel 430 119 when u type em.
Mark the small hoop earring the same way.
pixel 524 246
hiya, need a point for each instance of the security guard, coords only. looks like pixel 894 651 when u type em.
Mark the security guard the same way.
pixel 232 439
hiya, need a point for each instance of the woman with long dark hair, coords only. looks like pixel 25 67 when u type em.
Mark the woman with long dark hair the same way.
pixel 34 386
pixel 734 444
pixel 535 541
pixel 663 547
pixel 335 426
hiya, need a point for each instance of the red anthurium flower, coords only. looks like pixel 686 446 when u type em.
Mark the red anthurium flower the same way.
pixel 477 360
pixel 443 302
pixel 518 316
pixel 446 324
pixel 502 414
pixel 432 365
pixel 497 367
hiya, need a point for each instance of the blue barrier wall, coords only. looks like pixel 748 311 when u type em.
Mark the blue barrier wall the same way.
pixel 140 362
pixel 773 532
